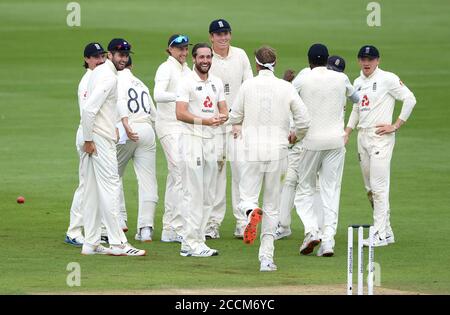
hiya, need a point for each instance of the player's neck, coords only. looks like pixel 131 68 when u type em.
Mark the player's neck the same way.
pixel 222 52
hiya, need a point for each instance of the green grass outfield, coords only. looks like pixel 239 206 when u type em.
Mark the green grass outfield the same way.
pixel 39 73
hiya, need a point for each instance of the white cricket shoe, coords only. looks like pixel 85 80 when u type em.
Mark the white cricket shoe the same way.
pixel 95 250
pixel 126 250
pixel 282 232
pixel 145 234
pixel 185 250
pixel 311 240
pixel 325 250
pixel 377 241
pixel 168 236
pixel 239 231
pixel 204 251
pixel 390 239
pixel 267 265
pixel 212 232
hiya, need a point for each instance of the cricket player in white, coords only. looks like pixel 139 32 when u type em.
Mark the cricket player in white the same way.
pixel 335 63
pixel 94 55
pixel 138 142
pixel 200 106
pixel 232 66
pixel 263 106
pixel 99 162
pixel 324 92
pixel 372 116
pixel 168 130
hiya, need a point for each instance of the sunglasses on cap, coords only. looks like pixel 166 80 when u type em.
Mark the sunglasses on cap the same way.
pixel 179 40
pixel 122 46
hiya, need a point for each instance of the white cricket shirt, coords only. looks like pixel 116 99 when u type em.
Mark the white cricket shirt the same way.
pixel 203 98
pixel 263 106
pixel 165 94
pixel 100 111
pixel 325 94
pixel 82 90
pixel 133 100
pixel 378 94
pixel 233 69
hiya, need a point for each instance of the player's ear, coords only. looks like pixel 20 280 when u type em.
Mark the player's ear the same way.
pixel 110 55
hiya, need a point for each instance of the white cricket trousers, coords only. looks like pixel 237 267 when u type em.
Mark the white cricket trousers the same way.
pixel 172 220
pixel 228 148
pixel 289 188
pixel 76 219
pixel 375 153
pixel 143 154
pixel 329 165
pixel 253 176
pixel 100 202
pixel 198 176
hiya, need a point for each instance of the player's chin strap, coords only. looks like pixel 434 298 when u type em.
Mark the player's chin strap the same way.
pixel 266 65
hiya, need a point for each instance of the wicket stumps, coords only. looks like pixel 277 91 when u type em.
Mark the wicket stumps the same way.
pixel 360 228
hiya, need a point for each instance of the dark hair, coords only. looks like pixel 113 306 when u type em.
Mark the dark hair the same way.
pixel 85 65
pixel 200 45
pixel 316 62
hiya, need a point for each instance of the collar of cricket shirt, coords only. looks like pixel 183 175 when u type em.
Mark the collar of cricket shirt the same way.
pixel 230 53
pixel 266 72
pixel 177 63
pixel 198 79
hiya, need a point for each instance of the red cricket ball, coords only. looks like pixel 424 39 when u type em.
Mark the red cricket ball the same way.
pixel 20 199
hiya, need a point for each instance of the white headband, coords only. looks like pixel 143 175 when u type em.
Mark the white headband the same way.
pixel 267 65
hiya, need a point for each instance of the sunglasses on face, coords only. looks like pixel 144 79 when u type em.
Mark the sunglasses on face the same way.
pixel 179 39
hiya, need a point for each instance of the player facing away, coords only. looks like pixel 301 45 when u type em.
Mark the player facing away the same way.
pixel 94 55
pixel 335 63
pixel 168 130
pixel 263 107
pixel 137 141
pixel 372 116
pixel 325 93
pixel 200 107
pixel 232 66
pixel 99 162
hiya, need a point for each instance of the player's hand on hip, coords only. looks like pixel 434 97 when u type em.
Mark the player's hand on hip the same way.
pixel 384 129
pixel 89 147
pixel 133 136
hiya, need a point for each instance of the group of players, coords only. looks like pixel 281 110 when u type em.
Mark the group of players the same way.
pixel 286 134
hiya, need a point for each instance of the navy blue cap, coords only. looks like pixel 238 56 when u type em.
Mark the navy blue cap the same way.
pixel 318 53
pixel 218 26
pixel 178 40
pixel 93 49
pixel 368 51
pixel 119 44
pixel 336 63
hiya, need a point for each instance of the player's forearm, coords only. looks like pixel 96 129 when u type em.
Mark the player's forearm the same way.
pixel 87 123
pixel 398 123
pixel 188 117
pixel 162 96
pixel 407 108
pixel 354 117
